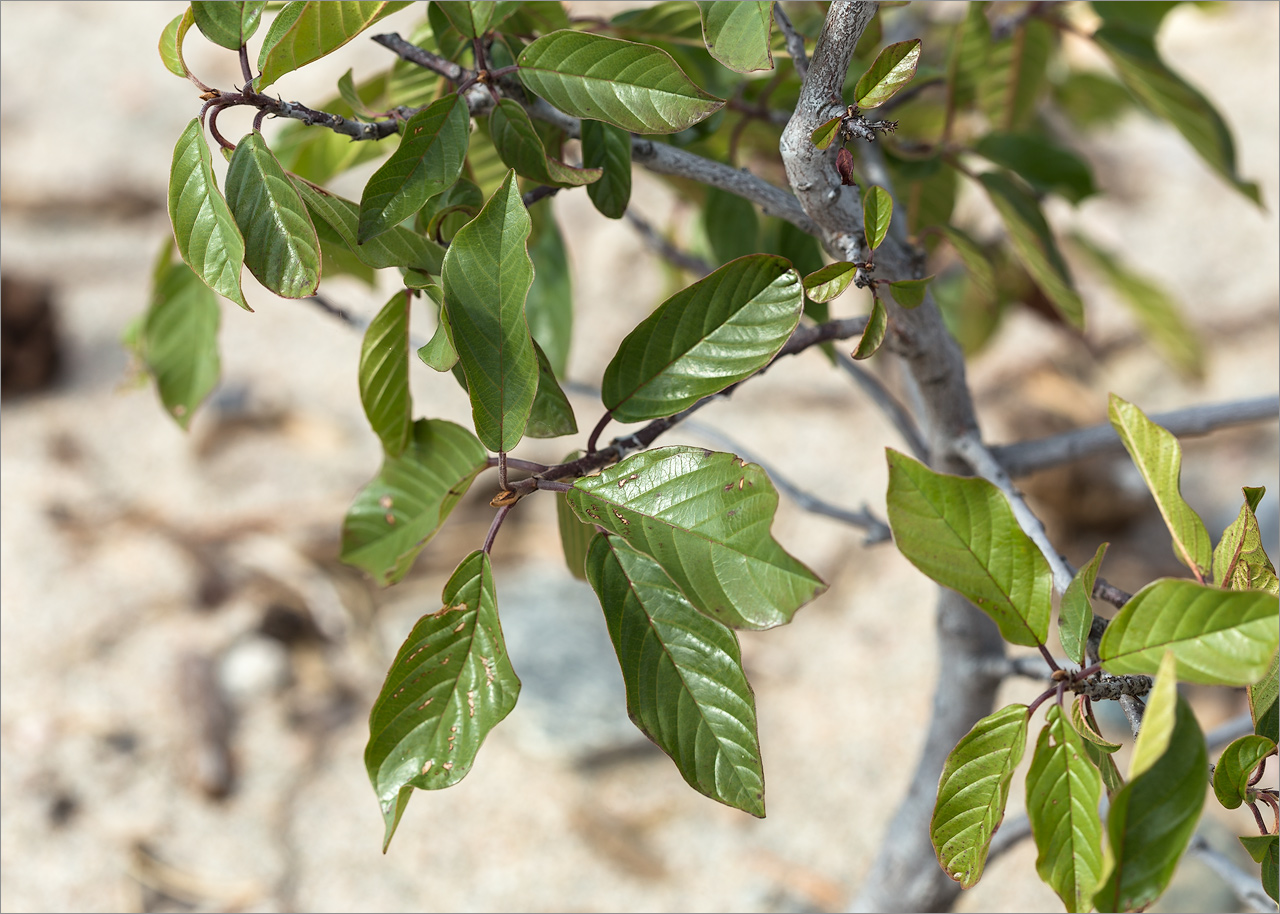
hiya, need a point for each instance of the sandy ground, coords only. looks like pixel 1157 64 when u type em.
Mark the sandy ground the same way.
pixel 151 577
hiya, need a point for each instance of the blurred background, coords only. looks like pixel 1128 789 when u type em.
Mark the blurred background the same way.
pixel 187 669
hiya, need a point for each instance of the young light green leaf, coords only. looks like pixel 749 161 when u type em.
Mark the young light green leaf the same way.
pixel 1063 791
pixel 281 247
pixel 171 43
pixel 486 277
pixel 1152 819
pixel 521 148
pixel 1158 457
pixel 737 33
pixel 979 268
pixel 549 308
pixel 1239 561
pixel 962 533
pixel 829 283
pixel 306 30
pixel 704 517
pixel 827 132
pixel 1265 849
pixel 1097 748
pixel 551 415
pixel 1010 81
pixel 1075 614
pixel 206 232
pixel 877 211
pixel 229 24
pixel 1263 702
pixel 1220 637
pixel 399 511
pixel 909 293
pixel 1158 719
pixel 1236 766
pixel 730 224
pixel 893 68
pixel 179 341
pixel 632 86
pixel 973 791
pixel 1046 166
pixel 1034 244
pixel 450 684
pixel 429 159
pixel 712 334
pixel 686 689
pixel 439 352
pixel 873 334
pixel 384 375
pixel 607 147
pixel 471 17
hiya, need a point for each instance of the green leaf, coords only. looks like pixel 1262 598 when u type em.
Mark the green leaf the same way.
pixel 737 33
pixel 608 148
pixel 968 63
pixel 712 334
pixel 1158 719
pixel 877 210
pixel 535 17
pixel 827 132
pixel 1013 74
pixel 731 225
pixel 704 517
pixel 450 684
pixel 463 200
pixel 179 341
pixel 487 274
pixel 551 415
pixel 399 511
pixel 520 148
pixel 1263 702
pixel 171 43
pixel 575 536
pixel 1158 457
pixel 1092 99
pixel 229 24
pixel 1167 95
pixel 348 93
pixel 281 247
pixel 1075 614
pixel 203 226
pixel 439 352
pixel 1043 164
pixel 1265 849
pixel 1157 312
pixel 669 20
pixel 686 689
pixel 396 248
pixel 893 69
pixel 306 30
pixel 973 791
pixel 429 159
pixel 1239 561
pixel 962 533
pixel 471 18
pixel 909 293
pixel 1063 791
pixel 1220 637
pixel 320 155
pixel 1034 244
pixel 979 268
pixel 1236 766
pixel 1152 819
pixel 549 308
pixel 873 334
pixel 830 282
pixel 1098 749
pixel 632 86
pixel 384 375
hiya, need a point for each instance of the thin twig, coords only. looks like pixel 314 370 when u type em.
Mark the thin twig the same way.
pixel 423 58
pixel 888 404
pixel 664 248
pixel 795 44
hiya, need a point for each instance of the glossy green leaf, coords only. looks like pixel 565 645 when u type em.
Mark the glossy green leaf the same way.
pixel 686 689
pixel 873 334
pixel 737 33
pixel 396 248
pixel 451 209
pixel 1013 75
pixel 470 17
pixel 1098 749
pixel 229 23
pixel 429 159
pixel 892 69
pixel 450 684
pixel 206 232
pixel 439 352
pixel 551 415
pixel 1152 818
pixel 827 132
pixel 909 293
pixel 1220 637
pixel 486 278
pixel 179 341
pixel 1167 95
pixel 520 147
pixel 1156 310
pixel 1063 791
pixel 384 375
pixel 1236 766
pixel 973 791
pixel 712 334
pixel 281 247
pixel 171 43
pixel 962 533
pixel 979 268
pixel 1239 561
pixel 1034 244
pixel 1075 614
pixel 399 511
pixel 1263 702
pixel 608 148
pixel 306 30
pixel 632 86
pixel 731 225
pixel 1043 164
pixel 829 283
pixel 1265 849
pixel 1158 457
pixel 704 517
pixel 575 536
pixel 877 211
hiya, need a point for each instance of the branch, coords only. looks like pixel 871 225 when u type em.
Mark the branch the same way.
pixel 423 58
pixel 888 404
pixel 795 44
pixel 1028 457
pixel 1244 885
pixel 1133 708
pixel 665 249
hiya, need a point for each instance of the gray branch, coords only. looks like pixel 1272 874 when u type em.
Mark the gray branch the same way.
pixel 664 248
pixel 1133 708
pixel 888 404
pixel 795 44
pixel 1246 886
